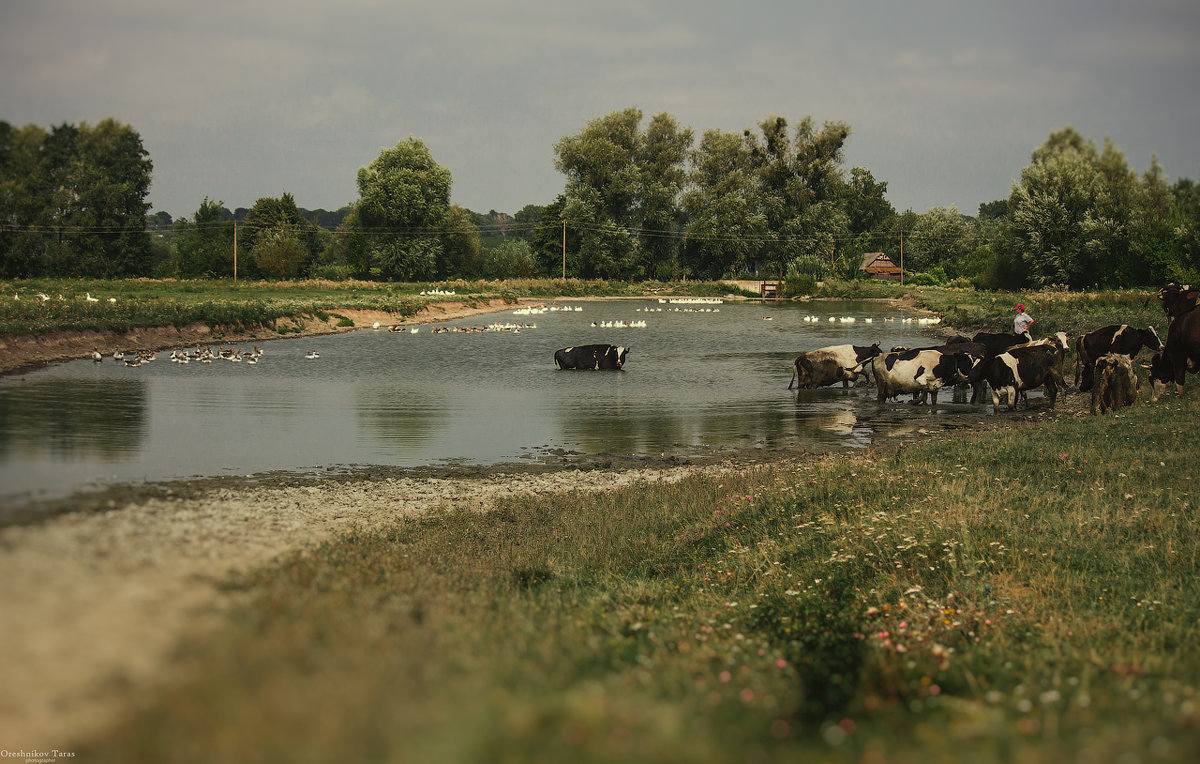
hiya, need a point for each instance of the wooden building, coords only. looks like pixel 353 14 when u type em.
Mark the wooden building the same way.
pixel 880 266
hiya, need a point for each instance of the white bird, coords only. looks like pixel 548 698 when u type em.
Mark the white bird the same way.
pixel 112 300
pixel 90 298
pixel 375 325
pixel 312 354
pixel 96 356
pixel 44 296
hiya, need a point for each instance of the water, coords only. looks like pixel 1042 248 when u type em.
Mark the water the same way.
pixel 697 377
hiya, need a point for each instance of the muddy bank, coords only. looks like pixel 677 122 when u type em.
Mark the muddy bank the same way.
pixel 18 353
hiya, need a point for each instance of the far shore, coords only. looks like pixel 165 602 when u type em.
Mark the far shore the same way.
pixel 20 353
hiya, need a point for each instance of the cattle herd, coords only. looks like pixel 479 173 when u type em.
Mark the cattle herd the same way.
pixel 1009 364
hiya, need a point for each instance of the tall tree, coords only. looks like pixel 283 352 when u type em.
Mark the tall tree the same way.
pixel 622 192
pixel 76 197
pixel 1049 207
pixel 204 244
pixel 404 201
pixel 726 222
pixel 802 182
pixel 662 157
pixel 463 244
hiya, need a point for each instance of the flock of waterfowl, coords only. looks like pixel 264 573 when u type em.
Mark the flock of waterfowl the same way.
pixel 199 354
pixel 204 354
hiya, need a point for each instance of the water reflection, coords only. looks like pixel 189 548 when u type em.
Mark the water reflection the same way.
pixel 402 419
pixel 78 418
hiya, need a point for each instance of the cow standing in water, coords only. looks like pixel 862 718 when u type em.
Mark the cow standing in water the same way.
pixel 836 363
pixel 590 357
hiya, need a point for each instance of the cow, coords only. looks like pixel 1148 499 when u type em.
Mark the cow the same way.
pixel 1181 354
pixel 1178 299
pixel 590 357
pixel 822 372
pixel 998 342
pixel 920 372
pixel 850 358
pixel 1116 383
pixel 1023 368
pixel 1115 338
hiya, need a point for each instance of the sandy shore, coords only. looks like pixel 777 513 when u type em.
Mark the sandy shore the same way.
pixel 29 351
pixel 95 602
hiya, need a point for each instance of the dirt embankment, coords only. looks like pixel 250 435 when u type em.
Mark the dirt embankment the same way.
pixel 27 351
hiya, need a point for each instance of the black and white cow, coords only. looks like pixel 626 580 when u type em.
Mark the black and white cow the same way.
pixel 920 372
pixel 1115 338
pixel 590 357
pixel 1023 368
pixel 1180 355
pixel 809 371
pixel 998 342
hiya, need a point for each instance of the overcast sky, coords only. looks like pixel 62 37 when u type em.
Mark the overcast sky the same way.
pixel 945 100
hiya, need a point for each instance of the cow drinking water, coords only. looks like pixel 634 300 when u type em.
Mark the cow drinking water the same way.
pixel 836 363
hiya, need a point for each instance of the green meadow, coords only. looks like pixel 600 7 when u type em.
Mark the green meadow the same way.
pixel 1024 592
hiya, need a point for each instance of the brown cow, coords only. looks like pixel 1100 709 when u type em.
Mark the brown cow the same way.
pixel 1115 383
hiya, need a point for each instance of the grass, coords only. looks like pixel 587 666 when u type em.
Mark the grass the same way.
pixel 1028 592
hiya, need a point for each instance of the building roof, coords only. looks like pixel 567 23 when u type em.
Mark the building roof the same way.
pixel 877 262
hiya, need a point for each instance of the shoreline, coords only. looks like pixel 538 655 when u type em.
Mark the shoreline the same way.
pixel 20 353
pixel 106 597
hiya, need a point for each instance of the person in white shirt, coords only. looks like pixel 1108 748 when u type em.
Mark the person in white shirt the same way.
pixel 1022 322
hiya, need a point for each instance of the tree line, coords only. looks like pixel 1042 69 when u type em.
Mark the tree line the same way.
pixel 642 199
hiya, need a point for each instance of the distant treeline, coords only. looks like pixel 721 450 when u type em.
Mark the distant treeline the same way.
pixel 640 201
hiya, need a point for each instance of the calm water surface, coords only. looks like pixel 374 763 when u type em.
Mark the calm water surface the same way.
pixel 697 377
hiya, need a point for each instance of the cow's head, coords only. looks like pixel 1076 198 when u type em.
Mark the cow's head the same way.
pixel 1162 376
pixel 1152 341
pixel 620 353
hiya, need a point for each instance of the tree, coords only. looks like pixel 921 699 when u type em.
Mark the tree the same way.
pixel 463 244
pixel 1153 231
pixel 802 187
pixel 662 157
pixel 273 228
pixel 354 248
pixel 23 202
pixel 940 239
pixel 75 198
pixel 404 201
pixel 510 259
pixel 1048 209
pixel 725 220
pixel 204 244
pixel 622 192
pixel 1185 221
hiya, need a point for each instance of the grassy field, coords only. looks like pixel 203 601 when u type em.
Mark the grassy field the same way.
pixel 1028 592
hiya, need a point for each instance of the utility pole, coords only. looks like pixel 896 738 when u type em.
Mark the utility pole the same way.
pixel 564 249
pixel 902 258
pixel 235 249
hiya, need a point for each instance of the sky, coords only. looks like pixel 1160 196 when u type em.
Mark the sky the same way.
pixel 946 101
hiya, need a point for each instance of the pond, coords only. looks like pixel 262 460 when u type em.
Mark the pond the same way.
pixel 699 376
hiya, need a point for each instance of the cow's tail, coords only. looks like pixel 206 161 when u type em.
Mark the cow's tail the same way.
pixel 795 373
